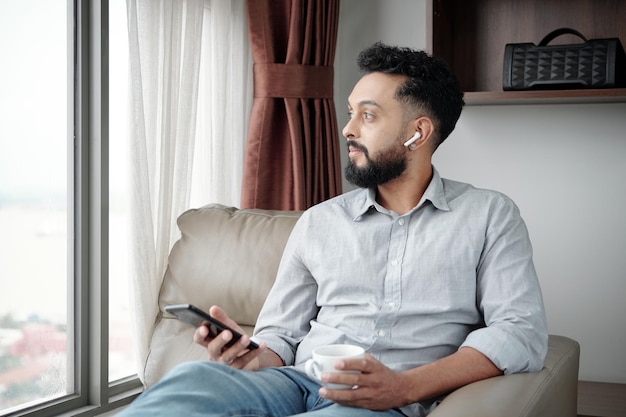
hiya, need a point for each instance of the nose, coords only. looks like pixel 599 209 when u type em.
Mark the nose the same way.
pixel 349 130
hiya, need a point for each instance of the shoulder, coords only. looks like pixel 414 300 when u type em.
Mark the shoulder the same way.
pixel 459 193
pixel 348 205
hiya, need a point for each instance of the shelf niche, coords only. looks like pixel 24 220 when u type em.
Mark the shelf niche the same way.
pixel 470 35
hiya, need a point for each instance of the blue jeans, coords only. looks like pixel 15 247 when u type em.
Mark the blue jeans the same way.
pixel 212 389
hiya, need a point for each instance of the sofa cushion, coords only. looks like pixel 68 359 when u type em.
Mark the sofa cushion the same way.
pixel 225 256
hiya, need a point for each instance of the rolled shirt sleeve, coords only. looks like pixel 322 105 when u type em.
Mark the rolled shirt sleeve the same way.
pixel 515 336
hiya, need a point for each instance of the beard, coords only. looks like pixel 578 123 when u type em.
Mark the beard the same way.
pixel 389 164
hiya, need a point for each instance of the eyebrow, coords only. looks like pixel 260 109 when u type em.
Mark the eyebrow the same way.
pixel 366 103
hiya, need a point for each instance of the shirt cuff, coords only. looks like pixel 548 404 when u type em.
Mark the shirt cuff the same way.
pixel 278 346
pixel 503 349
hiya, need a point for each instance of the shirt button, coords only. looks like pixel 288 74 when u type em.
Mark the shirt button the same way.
pixel 381 333
pixel 401 222
pixel 391 303
pixel 394 262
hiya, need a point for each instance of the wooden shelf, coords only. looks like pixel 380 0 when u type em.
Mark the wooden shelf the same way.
pixel 470 35
pixel 612 95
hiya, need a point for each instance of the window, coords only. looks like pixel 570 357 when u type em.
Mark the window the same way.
pixel 56 348
pixel 65 334
pixel 36 358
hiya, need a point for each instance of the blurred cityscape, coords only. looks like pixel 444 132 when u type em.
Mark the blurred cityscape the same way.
pixel 33 361
pixel 36 346
pixel 36 285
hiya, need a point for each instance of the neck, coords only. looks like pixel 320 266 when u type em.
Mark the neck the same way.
pixel 402 194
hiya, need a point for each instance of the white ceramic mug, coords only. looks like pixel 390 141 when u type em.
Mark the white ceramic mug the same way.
pixel 325 357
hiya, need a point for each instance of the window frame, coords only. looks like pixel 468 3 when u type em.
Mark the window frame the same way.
pixel 88 206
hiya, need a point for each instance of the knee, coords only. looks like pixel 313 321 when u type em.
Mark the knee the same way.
pixel 192 376
pixel 195 369
pixel 184 390
pixel 187 368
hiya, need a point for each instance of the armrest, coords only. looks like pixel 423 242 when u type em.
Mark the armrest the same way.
pixel 550 392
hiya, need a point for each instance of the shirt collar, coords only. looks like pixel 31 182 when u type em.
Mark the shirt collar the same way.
pixel 435 193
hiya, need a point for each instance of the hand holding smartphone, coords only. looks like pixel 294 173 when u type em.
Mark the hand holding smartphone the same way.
pixel 194 316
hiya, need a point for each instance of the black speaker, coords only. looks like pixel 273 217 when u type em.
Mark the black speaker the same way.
pixel 596 63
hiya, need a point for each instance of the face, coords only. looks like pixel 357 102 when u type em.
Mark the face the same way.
pixel 376 131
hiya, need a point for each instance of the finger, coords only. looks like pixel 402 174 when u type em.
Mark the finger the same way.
pixel 343 396
pixel 239 356
pixel 223 360
pixel 219 314
pixel 350 379
pixel 200 335
pixel 228 354
pixel 353 398
pixel 246 360
pixel 237 349
pixel 366 364
pixel 217 347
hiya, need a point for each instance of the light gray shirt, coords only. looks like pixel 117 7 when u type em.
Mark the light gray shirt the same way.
pixel 455 271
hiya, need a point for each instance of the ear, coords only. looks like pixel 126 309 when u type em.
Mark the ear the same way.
pixel 425 126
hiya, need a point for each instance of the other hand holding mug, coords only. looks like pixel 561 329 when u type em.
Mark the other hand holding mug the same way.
pixel 325 357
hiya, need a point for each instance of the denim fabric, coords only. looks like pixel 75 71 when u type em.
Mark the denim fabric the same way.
pixel 212 389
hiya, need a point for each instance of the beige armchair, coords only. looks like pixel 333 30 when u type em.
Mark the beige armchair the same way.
pixel 229 257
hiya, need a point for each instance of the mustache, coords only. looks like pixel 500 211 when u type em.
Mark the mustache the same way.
pixel 356 145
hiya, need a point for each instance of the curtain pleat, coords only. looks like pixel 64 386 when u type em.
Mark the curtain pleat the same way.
pixel 292 152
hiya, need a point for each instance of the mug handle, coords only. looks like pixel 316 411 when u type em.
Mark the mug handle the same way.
pixel 312 369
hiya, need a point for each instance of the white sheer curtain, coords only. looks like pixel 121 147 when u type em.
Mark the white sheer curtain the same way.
pixel 190 88
pixel 225 101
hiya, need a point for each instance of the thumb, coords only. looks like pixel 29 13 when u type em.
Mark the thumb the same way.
pixel 218 313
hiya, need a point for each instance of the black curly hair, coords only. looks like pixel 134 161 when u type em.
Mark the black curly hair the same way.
pixel 431 86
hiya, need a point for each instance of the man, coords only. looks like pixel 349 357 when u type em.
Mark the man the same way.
pixel 434 278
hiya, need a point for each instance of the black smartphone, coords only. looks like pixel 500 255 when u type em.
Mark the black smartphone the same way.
pixel 193 315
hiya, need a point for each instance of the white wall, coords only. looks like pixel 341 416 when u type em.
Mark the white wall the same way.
pixel 361 23
pixel 562 164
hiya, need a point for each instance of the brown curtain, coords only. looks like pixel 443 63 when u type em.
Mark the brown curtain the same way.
pixel 292 151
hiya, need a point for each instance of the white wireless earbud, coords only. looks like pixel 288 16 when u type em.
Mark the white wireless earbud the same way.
pixel 415 137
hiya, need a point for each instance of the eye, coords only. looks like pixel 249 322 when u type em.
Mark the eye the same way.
pixel 368 116
pixel 350 114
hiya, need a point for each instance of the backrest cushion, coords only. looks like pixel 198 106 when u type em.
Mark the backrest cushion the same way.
pixel 225 256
